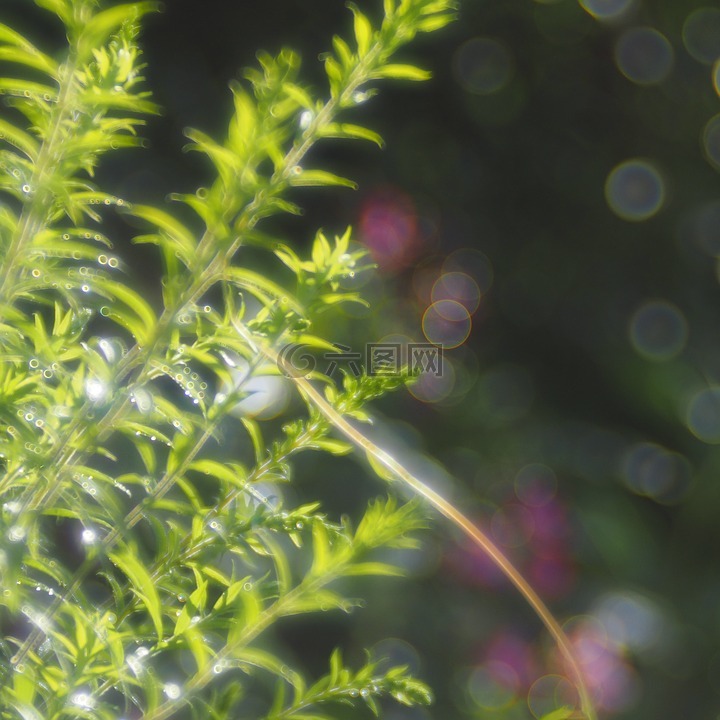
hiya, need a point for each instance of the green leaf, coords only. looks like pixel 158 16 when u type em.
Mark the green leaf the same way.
pixel 350 132
pixel 264 289
pixel 437 22
pixel 143 584
pixel 28 88
pixel 180 236
pixel 18 138
pixel 30 58
pixel 253 430
pixel 401 72
pixel 95 32
pixel 562 713
pixel 25 686
pixel 140 321
pixel 363 30
pixel 319 178
pixel 334 447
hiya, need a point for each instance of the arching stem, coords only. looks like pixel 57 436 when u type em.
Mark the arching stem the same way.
pixel 445 508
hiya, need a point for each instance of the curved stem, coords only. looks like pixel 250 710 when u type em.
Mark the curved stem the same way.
pixel 445 508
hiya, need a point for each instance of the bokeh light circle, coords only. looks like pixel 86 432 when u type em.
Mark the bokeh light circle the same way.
pixel 424 278
pixel 703 415
pixel 483 66
pixel 447 323
pixel 658 330
pixel 701 34
pixel 632 621
pixel 389 228
pixel 550 693
pixel 705 228
pixel 431 388
pixel 652 471
pixel 606 9
pixel 457 286
pixel 711 141
pixel 644 55
pixel 493 686
pixel 475 264
pixel 716 76
pixel 635 190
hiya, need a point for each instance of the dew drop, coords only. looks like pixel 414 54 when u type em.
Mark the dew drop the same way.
pixel 83 700
pixel 143 400
pixel 16 533
pixel 305 119
pixel 88 536
pixel 95 389
pixel 172 690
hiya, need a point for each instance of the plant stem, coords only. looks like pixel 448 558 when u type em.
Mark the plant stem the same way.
pixel 445 508
pixel 38 205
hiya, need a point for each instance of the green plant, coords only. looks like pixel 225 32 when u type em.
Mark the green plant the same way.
pixel 111 412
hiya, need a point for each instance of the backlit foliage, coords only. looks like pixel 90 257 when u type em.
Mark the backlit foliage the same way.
pixel 142 560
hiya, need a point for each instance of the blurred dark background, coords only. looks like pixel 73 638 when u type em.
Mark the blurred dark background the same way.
pixel 548 206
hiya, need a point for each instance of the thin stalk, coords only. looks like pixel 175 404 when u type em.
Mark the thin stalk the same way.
pixel 36 209
pixel 445 508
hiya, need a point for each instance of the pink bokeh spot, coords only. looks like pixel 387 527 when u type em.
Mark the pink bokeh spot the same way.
pixel 611 680
pixel 389 229
pixel 537 541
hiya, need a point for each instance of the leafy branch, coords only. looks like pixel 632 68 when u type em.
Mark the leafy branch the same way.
pixel 114 438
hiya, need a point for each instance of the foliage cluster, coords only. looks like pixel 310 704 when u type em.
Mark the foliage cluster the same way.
pixel 142 559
